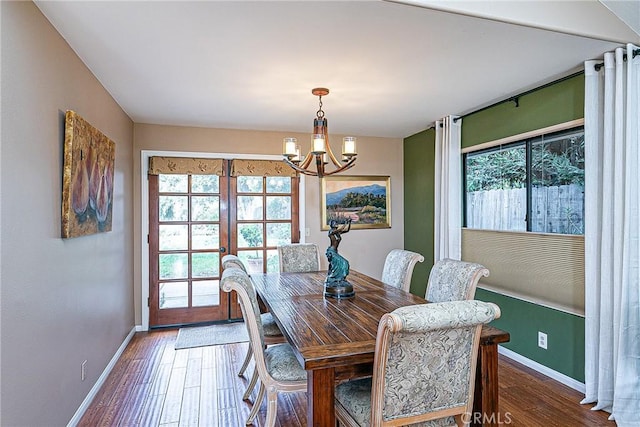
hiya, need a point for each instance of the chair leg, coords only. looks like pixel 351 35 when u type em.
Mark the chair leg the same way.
pixel 247 359
pixel 251 386
pixel 272 407
pixel 256 405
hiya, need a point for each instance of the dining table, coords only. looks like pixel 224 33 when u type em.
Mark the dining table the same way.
pixel 334 339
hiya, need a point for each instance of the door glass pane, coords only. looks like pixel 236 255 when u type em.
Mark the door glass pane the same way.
pixel 278 207
pixel 250 235
pixel 205 292
pixel 205 208
pixel 252 260
pixel 173 237
pixel 174 295
pixel 249 207
pixel 205 184
pixel 278 184
pixel 205 236
pixel 249 184
pixel 173 208
pixel 173 266
pixel 272 261
pixel 173 183
pixel 205 264
pixel 278 233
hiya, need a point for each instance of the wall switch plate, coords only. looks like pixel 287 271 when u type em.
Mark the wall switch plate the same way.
pixel 542 340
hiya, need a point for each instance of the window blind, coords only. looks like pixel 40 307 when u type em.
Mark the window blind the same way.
pixel 546 269
pixel 240 167
pixel 185 166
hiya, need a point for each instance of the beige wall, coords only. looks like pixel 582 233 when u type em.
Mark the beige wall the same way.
pixel 365 249
pixel 66 301
pixel 62 301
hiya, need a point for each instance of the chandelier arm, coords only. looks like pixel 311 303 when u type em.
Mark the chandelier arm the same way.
pixel 307 160
pixel 346 166
pixel 299 169
pixel 335 161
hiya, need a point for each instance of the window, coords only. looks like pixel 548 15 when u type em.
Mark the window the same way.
pixel 532 185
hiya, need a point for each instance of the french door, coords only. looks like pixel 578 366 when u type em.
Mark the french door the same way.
pixel 197 218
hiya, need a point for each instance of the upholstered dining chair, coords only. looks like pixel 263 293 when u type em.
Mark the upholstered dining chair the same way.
pixel 277 366
pixel 231 260
pixel 398 268
pixel 298 257
pixel 453 280
pixel 423 370
pixel 272 334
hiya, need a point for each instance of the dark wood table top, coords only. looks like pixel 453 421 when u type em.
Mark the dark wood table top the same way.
pixel 326 332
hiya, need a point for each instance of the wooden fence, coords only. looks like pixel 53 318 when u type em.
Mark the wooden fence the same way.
pixel 558 209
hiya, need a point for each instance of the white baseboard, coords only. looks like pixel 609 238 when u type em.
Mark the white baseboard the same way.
pixel 140 328
pixel 103 377
pixel 560 377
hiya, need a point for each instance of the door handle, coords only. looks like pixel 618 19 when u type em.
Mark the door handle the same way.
pixel 223 250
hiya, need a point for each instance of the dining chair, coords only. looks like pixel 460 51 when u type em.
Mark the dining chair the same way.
pixel 298 257
pixel 271 330
pixel 272 333
pixel 277 366
pixel 398 268
pixel 453 280
pixel 423 369
pixel 231 260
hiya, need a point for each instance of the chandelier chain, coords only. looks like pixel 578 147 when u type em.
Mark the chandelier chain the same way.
pixel 320 113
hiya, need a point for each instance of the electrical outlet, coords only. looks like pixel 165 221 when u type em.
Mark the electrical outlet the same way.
pixel 542 340
pixel 83 370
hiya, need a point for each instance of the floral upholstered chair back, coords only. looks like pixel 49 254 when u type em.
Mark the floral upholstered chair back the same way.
pixel 236 279
pixel 398 268
pixel 425 361
pixel 229 261
pixel 452 280
pixel 299 257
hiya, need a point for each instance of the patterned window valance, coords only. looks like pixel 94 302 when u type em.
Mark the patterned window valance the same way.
pixel 185 166
pixel 261 168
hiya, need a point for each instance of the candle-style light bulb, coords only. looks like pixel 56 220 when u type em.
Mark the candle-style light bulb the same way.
pixel 318 144
pixel 349 146
pixel 289 147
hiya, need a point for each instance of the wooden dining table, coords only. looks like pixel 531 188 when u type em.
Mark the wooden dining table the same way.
pixel 334 340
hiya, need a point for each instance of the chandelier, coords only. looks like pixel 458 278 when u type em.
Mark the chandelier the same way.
pixel 320 149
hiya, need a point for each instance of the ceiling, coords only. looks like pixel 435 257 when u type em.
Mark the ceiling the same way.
pixel 392 68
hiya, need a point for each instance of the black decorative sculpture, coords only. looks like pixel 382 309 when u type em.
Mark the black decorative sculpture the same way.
pixel 336 284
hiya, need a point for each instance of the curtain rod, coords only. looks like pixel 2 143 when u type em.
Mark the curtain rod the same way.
pixel 516 98
pixel 635 53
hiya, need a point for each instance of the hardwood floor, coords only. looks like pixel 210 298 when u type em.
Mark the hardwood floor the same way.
pixel 154 385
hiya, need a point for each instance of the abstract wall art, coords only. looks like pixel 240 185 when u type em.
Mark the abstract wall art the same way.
pixel 87 184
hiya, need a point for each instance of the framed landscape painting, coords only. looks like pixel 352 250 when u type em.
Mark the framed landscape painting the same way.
pixel 364 199
pixel 87 178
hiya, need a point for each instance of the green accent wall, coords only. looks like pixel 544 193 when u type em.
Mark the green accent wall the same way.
pixel 550 105
pixel 419 158
pixel 523 320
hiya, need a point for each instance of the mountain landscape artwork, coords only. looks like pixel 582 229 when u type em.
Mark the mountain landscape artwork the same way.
pixel 363 199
